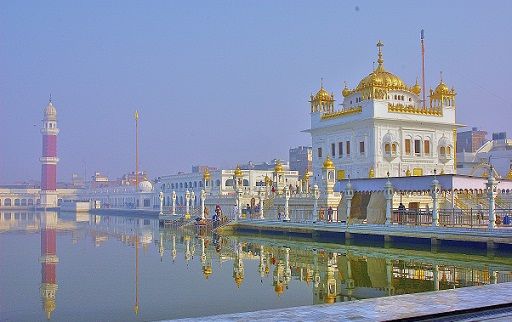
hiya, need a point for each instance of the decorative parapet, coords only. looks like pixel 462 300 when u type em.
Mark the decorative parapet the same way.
pixel 342 113
pixel 410 109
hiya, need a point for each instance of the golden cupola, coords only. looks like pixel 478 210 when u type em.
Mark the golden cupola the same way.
pixel 322 101
pixel 346 91
pixel 206 175
pixel 442 95
pixel 328 164
pixel 278 168
pixel 416 88
pixel 238 172
pixel 380 81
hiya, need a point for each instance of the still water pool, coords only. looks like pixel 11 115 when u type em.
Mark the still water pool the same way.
pixel 84 267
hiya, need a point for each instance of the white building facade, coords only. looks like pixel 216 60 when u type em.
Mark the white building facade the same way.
pixel 384 127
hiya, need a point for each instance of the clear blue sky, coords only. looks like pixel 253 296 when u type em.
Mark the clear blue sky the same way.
pixel 222 82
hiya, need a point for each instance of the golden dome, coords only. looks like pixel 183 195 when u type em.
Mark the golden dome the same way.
pixel 207 271
pixel 443 89
pixel 278 167
pixel 346 92
pixel 279 289
pixel 323 95
pixel 509 175
pixel 268 181
pixel 206 175
pixel 238 172
pixel 380 77
pixel 416 88
pixel 328 164
pixel 238 280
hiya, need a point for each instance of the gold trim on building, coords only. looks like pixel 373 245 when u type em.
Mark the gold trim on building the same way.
pixel 410 109
pixel 344 112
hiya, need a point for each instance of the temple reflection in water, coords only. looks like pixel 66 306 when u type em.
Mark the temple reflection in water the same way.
pixel 332 273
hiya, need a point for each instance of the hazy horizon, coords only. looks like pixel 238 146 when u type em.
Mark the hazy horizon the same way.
pixel 221 83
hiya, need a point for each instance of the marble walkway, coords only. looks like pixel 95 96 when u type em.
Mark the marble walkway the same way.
pixel 401 307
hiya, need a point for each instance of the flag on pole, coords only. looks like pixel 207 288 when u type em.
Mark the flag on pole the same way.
pixel 136 115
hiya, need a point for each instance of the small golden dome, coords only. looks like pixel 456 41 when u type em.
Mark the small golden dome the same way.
pixel 207 271
pixel 279 289
pixel 268 181
pixel 238 172
pixel 328 164
pixel 371 173
pixel 346 92
pixel 278 167
pixel 509 175
pixel 206 175
pixel 238 280
pixel 443 89
pixel 323 95
pixel 416 88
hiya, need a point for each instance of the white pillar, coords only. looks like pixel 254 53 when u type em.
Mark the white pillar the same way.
pixel 192 200
pixel 203 198
pixel 491 193
pixel 435 269
pixel 434 192
pixel 239 202
pixel 388 194
pixel 161 195
pixel 286 206
pixel 174 202
pixel 173 252
pixel 187 202
pixel 349 194
pixel 261 194
pixel 316 196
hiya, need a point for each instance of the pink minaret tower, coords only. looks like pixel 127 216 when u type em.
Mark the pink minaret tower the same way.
pixel 49 158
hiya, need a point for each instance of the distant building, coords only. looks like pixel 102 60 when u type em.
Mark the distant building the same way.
pixel 498 151
pixel 202 168
pixel 77 181
pixel 264 166
pixel 470 140
pixel 301 159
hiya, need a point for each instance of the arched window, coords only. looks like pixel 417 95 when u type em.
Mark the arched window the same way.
pixel 7 202
pixel 217 183
pixel 426 146
pixel 181 185
pixel 23 202
pixel 442 151
pixel 16 202
pixel 448 150
pixel 387 148
pixel 30 202
pixel 229 183
pixel 394 148
pixel 246 183
pixel 195 184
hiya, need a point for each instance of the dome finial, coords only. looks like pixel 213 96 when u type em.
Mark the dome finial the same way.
pixel 321 82
pixel 441 75
pixel 380 60
pixel 50 100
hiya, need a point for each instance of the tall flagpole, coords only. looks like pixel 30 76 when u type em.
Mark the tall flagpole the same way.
pixel 136 149
pixel 423 65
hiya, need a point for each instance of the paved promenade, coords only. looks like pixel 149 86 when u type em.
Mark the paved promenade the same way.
pixel 479 303
pixel 498 235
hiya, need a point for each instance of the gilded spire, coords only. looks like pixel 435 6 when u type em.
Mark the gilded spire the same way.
pixel 380 60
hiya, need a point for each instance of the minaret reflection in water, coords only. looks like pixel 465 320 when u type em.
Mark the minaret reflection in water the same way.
pixel 48 260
